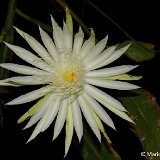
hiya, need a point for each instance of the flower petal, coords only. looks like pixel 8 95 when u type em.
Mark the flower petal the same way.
pixel 51 113
pixel 37 130
pixel 60 118
pixel 112 71
pixel 30 96
pixel 78 41
pixel 93 63
pixel 29 57
pixel 101 128
pixel 89 117
pixel 41 107
pixel 102 96
pixel 48 43
pixel 118 112
pixel 40 124
pixel 97 49
pixel 117 54
pixel 99 110
pixel 77 119
pixel 69 20
pixel 69 129
pixel 67 38
pixel 57 35
pixel 25 80
pixel 4 82
pixel 111 84
pixel 124 77
pixel 36 46
pixel 22 69
pixel 33 109
pixel 88 45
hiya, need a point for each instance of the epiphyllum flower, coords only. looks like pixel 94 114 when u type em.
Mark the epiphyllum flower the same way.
pixel 69 69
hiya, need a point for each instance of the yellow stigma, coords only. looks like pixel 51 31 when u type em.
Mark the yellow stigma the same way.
pixel 69 76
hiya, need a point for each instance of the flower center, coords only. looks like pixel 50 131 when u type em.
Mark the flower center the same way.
pixel 69 76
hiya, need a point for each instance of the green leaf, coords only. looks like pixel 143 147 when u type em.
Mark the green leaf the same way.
pixel 145 112
pixel 7 35
pixel 92 150
pixel 138 51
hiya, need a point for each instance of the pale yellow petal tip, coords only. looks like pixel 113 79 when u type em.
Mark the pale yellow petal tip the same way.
pixel 18 30
pixel 107 138
pixel 69 20
pixel 19 120
pixel 9 103
pixel 54 137
pixel 133 122
pixel 92 32
pixel 22 118
pixel 130 120
pixel 29 140
pixel 15 27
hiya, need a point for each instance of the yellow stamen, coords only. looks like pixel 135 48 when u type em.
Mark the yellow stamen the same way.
pixel 69 75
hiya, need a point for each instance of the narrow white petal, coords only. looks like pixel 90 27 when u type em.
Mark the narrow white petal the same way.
pixel 77 119
pixel 60 118
pixel 111 84
pixel 5 82
pixel 69 129
pixel 40 113
pixel 25 80
pixel 30 96
pixel 57 35
pixel 89 117
pixel 48 43
pixel 29 57
pixel 40 124
pixel 37 130
pixel 112 71
pixel 67 37
pixel 98 48
pixel 99 110
pixel 43 120
pixel 22 69
pixel 99 97
pixel 119 113
pixel 102 96
pixel 101 128
pixel 35 45
pixel 87 45
pixel 92 63
pixel 78 41
pixel 51 113
pixel 117 54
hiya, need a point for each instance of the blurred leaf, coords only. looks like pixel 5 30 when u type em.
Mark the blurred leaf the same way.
pixel 139 51
pixel 96 151
pixel 7 35
pixel 146 114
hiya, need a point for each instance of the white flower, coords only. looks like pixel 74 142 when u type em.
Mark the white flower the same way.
pixel 69 70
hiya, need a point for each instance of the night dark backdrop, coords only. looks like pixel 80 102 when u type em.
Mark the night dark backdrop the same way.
pixel 139 19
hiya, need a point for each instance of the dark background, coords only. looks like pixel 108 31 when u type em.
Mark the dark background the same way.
pixel 139 19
